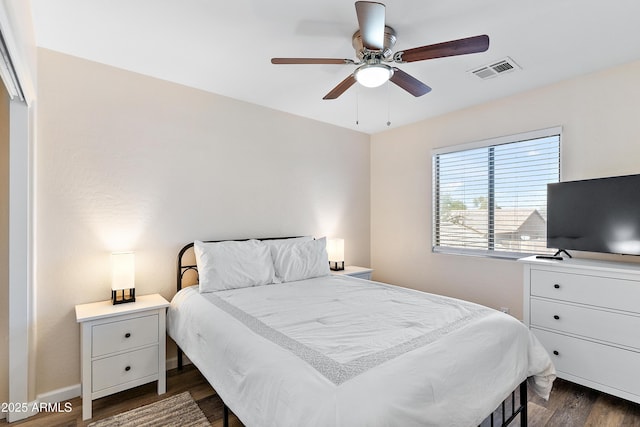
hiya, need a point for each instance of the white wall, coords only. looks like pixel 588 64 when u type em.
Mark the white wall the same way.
pixel 601 137
pixel 131 162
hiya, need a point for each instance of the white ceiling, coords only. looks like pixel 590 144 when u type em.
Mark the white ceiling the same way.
pixel 225 48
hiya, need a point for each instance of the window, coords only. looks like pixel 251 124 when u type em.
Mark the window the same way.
pixel 490 197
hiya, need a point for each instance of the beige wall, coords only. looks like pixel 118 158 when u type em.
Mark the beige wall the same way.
pixel 601 137
pixel 131 162
pixel 4 245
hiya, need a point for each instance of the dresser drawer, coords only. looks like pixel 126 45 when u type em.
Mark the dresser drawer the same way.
pixel 593 362
pixel 615 328
pixel 593 290
pixel 120 369
pixel 124 335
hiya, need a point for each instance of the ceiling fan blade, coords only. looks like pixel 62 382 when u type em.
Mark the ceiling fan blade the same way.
pixel 451 48
pixel 412 85
pixel 310 61
pixel 371 22
pixel 341 88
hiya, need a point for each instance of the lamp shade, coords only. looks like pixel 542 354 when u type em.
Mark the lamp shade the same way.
pixel 123 270
pixel 335 250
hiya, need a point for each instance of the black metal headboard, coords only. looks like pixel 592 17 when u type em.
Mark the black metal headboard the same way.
pixel 188 265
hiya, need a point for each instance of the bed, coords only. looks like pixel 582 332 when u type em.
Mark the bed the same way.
pixel 315 349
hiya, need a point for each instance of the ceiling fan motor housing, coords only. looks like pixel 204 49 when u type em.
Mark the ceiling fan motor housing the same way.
pixel 363 53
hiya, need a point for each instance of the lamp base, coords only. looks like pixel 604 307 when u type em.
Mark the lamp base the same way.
pixel 122 296
pixel 336 266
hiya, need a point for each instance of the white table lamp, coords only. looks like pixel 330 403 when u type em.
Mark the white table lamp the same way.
pixel 123 270
pixel 335 250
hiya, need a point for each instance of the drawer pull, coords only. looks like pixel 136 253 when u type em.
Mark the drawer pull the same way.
pixel 555 352
pixel 127 335
pixel 128 368
pixel 555 316
pixel 557 286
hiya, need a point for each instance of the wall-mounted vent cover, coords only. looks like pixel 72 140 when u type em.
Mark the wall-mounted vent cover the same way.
pixel 506 65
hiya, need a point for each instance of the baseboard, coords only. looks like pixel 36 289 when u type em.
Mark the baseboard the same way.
pixel 172 363
pixel 60 395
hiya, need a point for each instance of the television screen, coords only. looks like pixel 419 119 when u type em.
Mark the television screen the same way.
pixel 595 215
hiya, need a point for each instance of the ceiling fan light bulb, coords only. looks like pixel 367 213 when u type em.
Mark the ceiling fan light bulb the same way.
pixel 373 75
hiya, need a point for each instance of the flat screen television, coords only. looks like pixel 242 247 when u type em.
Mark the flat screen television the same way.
pixel 595 215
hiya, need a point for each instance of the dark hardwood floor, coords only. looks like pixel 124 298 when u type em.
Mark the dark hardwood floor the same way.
pixel 570 405
pixel 574 405
pixel 177 381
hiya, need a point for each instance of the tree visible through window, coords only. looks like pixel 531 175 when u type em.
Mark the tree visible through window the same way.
pixel 490 197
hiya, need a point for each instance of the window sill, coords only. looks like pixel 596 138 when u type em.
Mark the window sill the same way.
pixel 481 253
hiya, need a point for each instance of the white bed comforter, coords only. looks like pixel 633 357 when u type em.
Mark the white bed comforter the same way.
pixel 339 351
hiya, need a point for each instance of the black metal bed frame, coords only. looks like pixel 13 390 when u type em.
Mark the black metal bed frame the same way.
pixel 503 415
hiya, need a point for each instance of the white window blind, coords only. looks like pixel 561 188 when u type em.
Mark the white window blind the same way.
pixel 490 197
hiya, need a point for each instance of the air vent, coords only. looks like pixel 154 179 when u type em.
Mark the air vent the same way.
pixel 504 66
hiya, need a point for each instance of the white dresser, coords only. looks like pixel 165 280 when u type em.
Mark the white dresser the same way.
pixel 122 346
pixel 586 313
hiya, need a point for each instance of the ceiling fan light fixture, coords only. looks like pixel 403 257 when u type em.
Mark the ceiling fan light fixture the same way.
pixel 373 75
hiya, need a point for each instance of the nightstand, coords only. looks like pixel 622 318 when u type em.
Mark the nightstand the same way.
pixel 122 346
pixel 355 271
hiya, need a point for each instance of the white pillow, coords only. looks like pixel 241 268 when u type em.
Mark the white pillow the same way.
pixel 231 265
pixel 289 241
pixel 300 260
pixel 278 245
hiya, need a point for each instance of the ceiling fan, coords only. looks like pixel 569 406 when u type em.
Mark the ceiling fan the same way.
pixel 374 42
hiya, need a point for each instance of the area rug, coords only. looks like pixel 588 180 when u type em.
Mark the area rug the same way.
pixel 179 411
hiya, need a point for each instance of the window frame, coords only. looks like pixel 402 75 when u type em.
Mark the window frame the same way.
pixel 485 143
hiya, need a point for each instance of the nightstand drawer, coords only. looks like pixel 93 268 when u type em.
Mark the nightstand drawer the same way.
pixel 588 322
pixel 118 336
pixel 123 368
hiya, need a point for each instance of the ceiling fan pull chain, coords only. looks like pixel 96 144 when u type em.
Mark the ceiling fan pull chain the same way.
pixel 388 105
pixel 357 105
